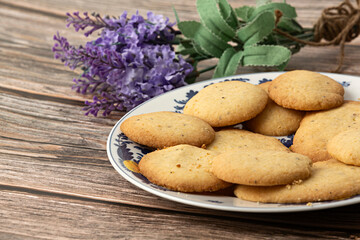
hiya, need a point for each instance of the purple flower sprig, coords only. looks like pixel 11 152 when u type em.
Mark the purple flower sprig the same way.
pixel 130 62
pixel 80 23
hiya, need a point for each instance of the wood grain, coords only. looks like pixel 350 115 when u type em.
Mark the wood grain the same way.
pixel 42 157
pixel 52 215
pixel 55 178
pixel 24 46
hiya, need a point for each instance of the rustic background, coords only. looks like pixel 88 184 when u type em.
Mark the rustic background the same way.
pixel 55 178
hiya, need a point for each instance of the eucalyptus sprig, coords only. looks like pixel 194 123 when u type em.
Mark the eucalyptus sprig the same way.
pixel 242 36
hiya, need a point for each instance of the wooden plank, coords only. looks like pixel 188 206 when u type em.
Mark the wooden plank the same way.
pixel 33 214
pixel 63 152
pixel 26 60
pixel 51 122
pixel 48 146
pixel 27 64
pixel 326 59
pixel 307 13
pixel 101 182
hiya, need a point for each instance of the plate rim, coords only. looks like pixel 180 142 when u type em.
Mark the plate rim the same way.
pixel 301 208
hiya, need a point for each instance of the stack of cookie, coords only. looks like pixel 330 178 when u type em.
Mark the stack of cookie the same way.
pixel 321 165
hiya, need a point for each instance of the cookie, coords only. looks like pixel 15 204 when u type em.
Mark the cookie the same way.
pixel 227 103
pixel 345 147
pixel 306 90
pixel 330 180
pixel 238 139
pixel 261 167
pixel 182 168
pixel 165 129
pixel 317 128
pixel 275 120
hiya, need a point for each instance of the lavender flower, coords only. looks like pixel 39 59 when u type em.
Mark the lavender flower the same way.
pixel 130 62
pixel 81 23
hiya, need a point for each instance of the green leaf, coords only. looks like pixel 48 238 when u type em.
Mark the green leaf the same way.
pixel 256 30
pixel 228 13
pixel 201 36
pixel 185 49
pixel 282 66
pixel 201 51
pixel 265 55
pixel 176 15
pixel 228 63
pixel 287 10
pixel 223 62
pixel 289 25
pixel 225 9
pixel 233 64
pixel 212 19
pixel 190 78
pixel 262 2
pixel 186 43
pixel 244 12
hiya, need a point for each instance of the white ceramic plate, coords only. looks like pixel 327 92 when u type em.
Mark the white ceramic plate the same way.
pixel 122 152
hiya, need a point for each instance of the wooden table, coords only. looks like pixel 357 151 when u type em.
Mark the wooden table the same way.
pixel 55 178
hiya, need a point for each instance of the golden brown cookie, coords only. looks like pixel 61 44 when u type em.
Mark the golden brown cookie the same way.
pixel 227 103
pixel 274 120
pixel 345 147
pixel 317 128
pixel 330 180
pixel 306 90
pixel 261 167
pixel 165 129
pixel 182 168
pixel 238 139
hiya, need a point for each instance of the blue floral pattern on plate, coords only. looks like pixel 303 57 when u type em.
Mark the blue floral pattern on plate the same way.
pixel 122 151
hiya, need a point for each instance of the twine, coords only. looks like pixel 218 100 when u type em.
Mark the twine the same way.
pixel 336 25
